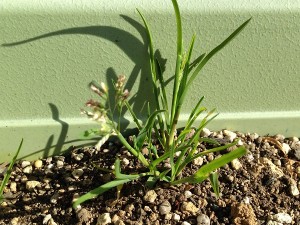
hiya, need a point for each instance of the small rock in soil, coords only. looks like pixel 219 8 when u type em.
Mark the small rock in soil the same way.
pixel 150 196
pixel 189 207
pixel 243 214
pixel 165 208
pixel 281 218
pixel 203 219
pixel 104 219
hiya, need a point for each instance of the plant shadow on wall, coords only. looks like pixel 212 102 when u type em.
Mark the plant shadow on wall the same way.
pixel 126 43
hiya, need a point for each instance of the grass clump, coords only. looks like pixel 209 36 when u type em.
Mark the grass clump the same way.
pixel 180 149
pixel 8 172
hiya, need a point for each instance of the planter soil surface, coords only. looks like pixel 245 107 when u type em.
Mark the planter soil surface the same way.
pixel 262 187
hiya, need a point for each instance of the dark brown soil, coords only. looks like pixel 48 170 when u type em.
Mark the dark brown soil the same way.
pixel 255 193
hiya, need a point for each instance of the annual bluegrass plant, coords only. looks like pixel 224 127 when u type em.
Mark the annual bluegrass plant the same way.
pixel 180 149
pixel 8 172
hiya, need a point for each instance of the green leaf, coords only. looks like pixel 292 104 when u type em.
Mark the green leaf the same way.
pixel 148 127
pixel 9 169
pixel 205 170
pixel 99 190
pixel 213 178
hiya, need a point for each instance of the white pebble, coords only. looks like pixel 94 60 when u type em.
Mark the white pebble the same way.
pixel 297 153
pixel 47 218
pixel 176 217
pixel 282 218
pixel 298 170
pixel 27 170
pixel 78 157
pixel 104 219
pixel 13 187
pixel 25 163
pixel 125 161
pixel 240 143
pixel 198 161
pixel 165 208
pixel 203 219
pixel 293 187
pixel 38 163
pixel 271 222
pixel 168 216
pixel 185 223
pixel 177 154
pixel 229 135
pixel 77 173
pixel 59 164
pixel 285 148
pixel 189 207
pixel 150 196
pixel 188 194
pixel 51 222
pixel 236 164
pixel 205 132
pixel 30 185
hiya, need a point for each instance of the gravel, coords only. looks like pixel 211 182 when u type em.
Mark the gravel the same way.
pixel 260 188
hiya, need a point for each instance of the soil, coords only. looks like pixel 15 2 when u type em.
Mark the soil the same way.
pixel 259 188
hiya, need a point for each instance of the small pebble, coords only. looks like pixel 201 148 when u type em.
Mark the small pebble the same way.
pixel 150 196
pixel 205 132
pixel 27 170
pixel 77 157
pixel 188 194
pixel 30 185
pixel 185 223
pixel 104 219
pixel 125 161
pixel 25 163
pixel 14 221
pixel 51 222
pixel 77 173
pixel 203 219
pixel 47 218
pixel 229 135
pixel 198 161
pixel 38 163
pixel 175 217
pixel 282 218
pixel 236 164
pixel 13 187
pixel 189 207
pixel 285 148
pixel 165 208
pixel 168 216
pixel 298 170
pixel 279 137
pixel 297 153
pixel 293 187
pixel 59 164
pixel 240 143
pixel 271 222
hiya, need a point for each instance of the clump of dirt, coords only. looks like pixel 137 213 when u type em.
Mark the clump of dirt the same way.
pixel 260 188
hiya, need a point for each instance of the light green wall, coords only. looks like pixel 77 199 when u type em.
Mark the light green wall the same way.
pixel 50 51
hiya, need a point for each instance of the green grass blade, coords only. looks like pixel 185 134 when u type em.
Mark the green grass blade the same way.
pixel 134 117
pixel 99 190
pixel 148 126
pixel 205 170
pixel 196 62
pixel 213 178
pixel 9 169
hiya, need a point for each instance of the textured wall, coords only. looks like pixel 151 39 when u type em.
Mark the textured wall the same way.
pixel 50 51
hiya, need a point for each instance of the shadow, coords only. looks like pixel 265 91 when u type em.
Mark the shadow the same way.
pixel 135 49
